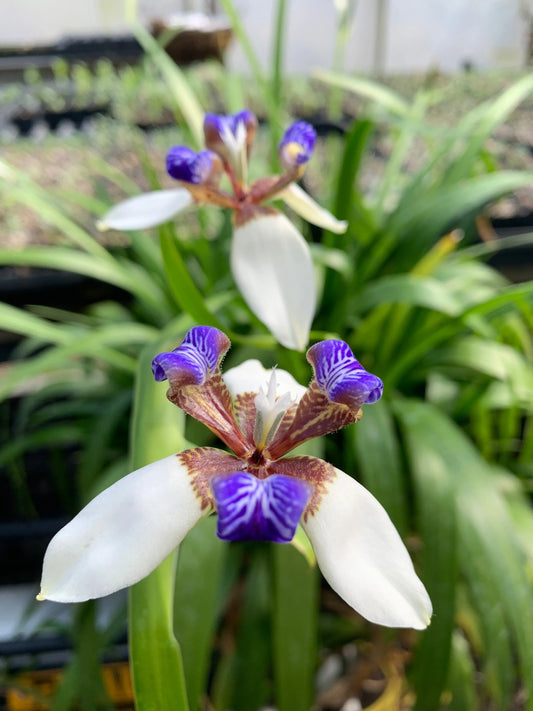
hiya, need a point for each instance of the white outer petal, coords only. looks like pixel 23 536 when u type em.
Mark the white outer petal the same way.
pixel 251 376
pixel 122 534
pixel 147 210
pixel 302 203
pixel 363 558
pixel 272 266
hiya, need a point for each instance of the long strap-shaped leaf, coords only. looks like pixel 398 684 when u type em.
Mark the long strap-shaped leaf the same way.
pixel 489 550
pixel 295 622
pixel 158 681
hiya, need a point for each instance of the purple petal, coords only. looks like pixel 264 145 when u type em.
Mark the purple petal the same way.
pixel 216 124
pixel 340 375
pixel 190 167
pixel 251 509
pixel 195 359
pixel 297 144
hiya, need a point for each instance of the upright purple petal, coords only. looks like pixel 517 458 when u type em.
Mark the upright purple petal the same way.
pixel 251 509
pixel 216 127
pixel 340 375
pixel 190 167
pixel 195 360
pixel 297 144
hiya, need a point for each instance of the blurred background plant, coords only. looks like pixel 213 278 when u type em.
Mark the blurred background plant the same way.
pixel 448 450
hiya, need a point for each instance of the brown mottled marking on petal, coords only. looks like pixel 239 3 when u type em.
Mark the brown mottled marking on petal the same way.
pixel 310 469
pixel 247 213
pixel 245 410
pixel 202 463
pixel 210 404
pixel 316 415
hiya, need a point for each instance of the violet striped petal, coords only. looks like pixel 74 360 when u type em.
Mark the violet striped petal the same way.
pixel 190 167
pixel 297 144
pixel 251 509
pixel 195 360
pixel 340 375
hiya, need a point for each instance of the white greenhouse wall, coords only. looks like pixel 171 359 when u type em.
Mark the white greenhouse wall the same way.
pixel 418 34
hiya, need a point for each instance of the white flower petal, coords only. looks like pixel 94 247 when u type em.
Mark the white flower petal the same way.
pixel 272 266
pixel 148 210
pixel 363 558
pixel 302 203
pixel 122 534
pixel 251 376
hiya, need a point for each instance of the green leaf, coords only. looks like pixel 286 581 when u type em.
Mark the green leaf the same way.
pixel 435 508
pixel 295 623
pixel 183 98
pixel 421 221
pixel 382 95
pixel 490 553
pixel 379 462
pixel 157 669
pixel 253 652
pixel 19 187
pixel 183 287
pixel 409 289
pixel 127 275
pixel 196 603
pixel 461 677
pixel 496 360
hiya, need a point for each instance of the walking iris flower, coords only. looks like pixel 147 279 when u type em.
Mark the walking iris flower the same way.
pixel 270 260
pixel 258 493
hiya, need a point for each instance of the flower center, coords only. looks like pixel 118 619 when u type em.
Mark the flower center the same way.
pixel 270 410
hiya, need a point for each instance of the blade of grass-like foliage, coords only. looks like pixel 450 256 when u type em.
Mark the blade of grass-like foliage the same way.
pixel 55 435
pixel 420 221
pixel 512 297
pixel 157 669
pixel 382 95
pixel 183 287
pixel 379 463
pixel 82 685
pixel 478 124
pixel 251 57
pixel 126 275
pixel 97 344
pixel 20 188
pixel 497 360
pixel 98 439
pixel 356 145
pixel 19 321
pixel 344 207
pixel 196 604
pixel 295 623
pixel 253 644
pixel 410 289
pixel 461 676
pixel 393 175
pixel 485 249
pixel 462 145
pixel 435 511
pixel 185 102
pixel 489 550
pixel 276 81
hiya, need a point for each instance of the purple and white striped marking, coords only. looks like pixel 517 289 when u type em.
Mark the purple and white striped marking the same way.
pixel 195 359
pixel 251 509
pixel 340 375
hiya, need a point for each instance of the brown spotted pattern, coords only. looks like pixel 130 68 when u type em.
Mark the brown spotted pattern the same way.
pixel 245 410
pixel 314 417
pixel 248 212
pixel 310 469
pixel 210 404
pixel 202 463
